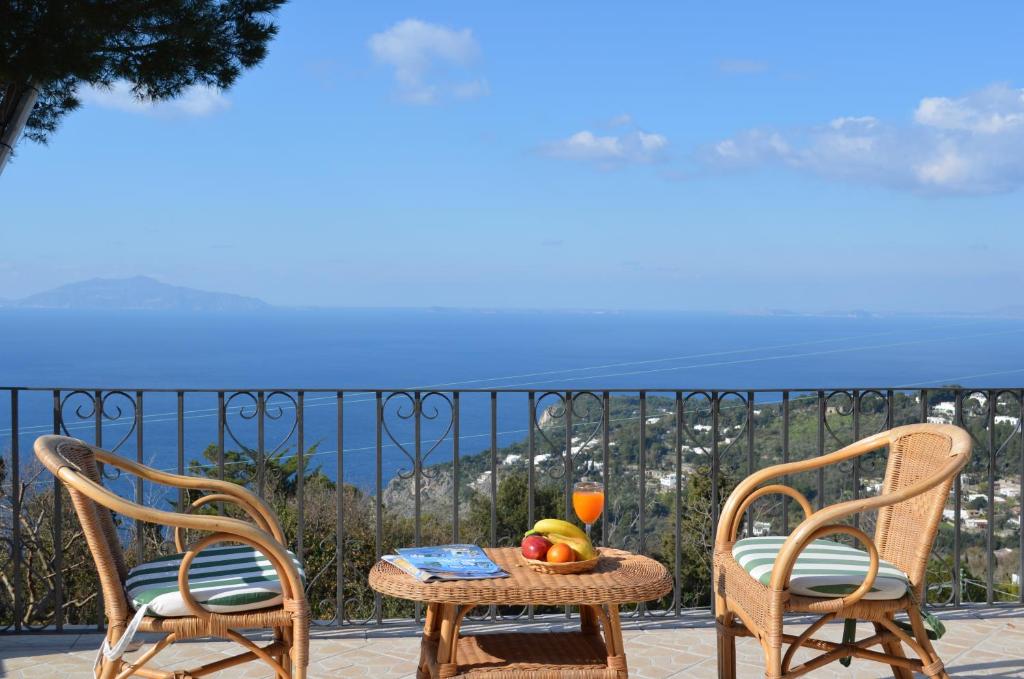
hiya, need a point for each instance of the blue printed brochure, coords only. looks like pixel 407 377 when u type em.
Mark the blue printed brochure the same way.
pixel 446 562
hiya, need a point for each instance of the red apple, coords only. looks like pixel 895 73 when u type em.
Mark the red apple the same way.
pixel 535 547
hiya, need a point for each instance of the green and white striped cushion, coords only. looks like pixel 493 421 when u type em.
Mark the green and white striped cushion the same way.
pixel 825 569
pixel 222 580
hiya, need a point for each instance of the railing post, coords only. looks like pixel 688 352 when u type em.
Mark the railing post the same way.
pixel 857 397
pixel 606 464
pixel 750 454
pixel 379 531
pixel 221 419
pixel 1020 525
pixel 140 458
pixel 456 480
pixel 532 451
pixel 58 537
pixel 417 471
pixel 568 475
pixel 821 448
pixel 642 469
pixel 181 446
pixel 300 509
pixel 991 402
pixel 16 510
pixel 678 537
pixel 958 415
pixel 715 462
pixel 339 501
pixel 785 459
pixel 261 427
pixel 492 611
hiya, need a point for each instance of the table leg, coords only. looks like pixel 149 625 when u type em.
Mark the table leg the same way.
pixel 431 625
pixel 613 642
pixel 449 637
pixel 588 619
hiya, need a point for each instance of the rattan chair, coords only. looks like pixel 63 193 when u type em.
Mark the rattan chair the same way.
pixel 923 461
pixel 77 465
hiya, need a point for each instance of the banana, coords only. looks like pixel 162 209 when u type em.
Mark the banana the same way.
pixel 558 531
pixel 545 526
pixel 582 546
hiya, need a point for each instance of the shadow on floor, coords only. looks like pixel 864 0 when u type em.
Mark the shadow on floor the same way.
pixel 1004 669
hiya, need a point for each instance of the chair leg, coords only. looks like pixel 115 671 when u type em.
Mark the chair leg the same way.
pixel 772 659
pixel 108 669
pixel 299 649
pixel 926 644
pixel 894 648
pixel 279 655
pixel 726 646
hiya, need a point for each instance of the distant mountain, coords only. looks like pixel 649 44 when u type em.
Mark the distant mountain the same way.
pixel 140 292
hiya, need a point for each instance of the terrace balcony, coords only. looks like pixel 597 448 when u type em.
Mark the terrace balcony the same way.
pixel 356 473
pixel 979 643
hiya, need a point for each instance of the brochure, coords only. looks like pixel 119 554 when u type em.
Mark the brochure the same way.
pixel 446 562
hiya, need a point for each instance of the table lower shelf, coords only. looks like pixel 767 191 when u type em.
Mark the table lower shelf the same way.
pixel 548 655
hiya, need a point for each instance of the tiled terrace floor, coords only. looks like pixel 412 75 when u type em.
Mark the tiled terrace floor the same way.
pixel 979 643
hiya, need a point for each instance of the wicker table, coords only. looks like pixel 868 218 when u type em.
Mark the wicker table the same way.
pixel 621 577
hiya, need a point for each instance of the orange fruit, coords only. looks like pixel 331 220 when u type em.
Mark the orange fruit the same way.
pixel 561 553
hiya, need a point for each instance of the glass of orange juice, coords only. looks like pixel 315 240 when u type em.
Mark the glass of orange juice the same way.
pixel 588 501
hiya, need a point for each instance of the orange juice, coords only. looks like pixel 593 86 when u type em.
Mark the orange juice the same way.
pixel 588 504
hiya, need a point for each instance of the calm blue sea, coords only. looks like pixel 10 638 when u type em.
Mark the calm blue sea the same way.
pixel 333 349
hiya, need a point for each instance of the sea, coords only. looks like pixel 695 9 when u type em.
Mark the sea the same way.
pixel 282 351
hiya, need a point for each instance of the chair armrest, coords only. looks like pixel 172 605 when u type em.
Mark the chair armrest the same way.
pixel 252 512
pixel 251 503
pixel 291 584
pixel 775 489
pixel 812 526
pixel 737 502
pixel 231 528
pixel 784 572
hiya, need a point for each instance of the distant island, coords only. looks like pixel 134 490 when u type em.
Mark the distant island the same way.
pixel 136 293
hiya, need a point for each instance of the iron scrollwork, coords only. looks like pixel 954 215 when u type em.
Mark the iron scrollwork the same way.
pixel 417 408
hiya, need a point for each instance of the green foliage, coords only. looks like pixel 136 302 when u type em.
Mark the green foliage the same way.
pixel 697 538
pixel 160 46
pixel 511 511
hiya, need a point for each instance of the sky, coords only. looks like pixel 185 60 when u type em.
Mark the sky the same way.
pixel 745 156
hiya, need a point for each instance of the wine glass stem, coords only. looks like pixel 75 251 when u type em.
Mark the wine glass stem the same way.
pixel 586 526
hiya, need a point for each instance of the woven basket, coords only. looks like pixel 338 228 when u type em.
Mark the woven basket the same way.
pixel 562 568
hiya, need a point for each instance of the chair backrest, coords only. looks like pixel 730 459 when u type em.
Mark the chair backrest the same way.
pixel 906 531
pixel 97 521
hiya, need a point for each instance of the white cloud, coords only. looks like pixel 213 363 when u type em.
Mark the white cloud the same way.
pixel 612 150
pixel 429 60
pixel 993 110
pixel 972 144
pixel 198 100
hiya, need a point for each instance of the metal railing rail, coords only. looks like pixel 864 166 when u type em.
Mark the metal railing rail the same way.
pixel 428 464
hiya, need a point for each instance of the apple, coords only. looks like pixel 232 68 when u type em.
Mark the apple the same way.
pixel 535 547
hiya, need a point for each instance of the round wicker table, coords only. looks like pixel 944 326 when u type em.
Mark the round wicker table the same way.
pixel 620 577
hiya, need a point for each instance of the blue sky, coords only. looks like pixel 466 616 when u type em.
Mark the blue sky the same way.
pixel 808 156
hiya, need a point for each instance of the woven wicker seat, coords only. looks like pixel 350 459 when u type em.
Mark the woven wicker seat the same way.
pixel 923 461
pixel 76 464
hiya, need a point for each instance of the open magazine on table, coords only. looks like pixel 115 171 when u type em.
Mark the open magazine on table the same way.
pixel 446 562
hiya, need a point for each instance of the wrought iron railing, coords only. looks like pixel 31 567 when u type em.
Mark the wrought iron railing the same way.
pixel 357 472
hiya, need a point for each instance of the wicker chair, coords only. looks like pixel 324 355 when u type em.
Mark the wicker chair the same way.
pixel 923 461
pixel 77 465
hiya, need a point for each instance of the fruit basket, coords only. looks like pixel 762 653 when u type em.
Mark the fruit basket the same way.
pixel 566 568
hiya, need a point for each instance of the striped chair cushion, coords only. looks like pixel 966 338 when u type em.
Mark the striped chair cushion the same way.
pixel 221 579
pixel 825 569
